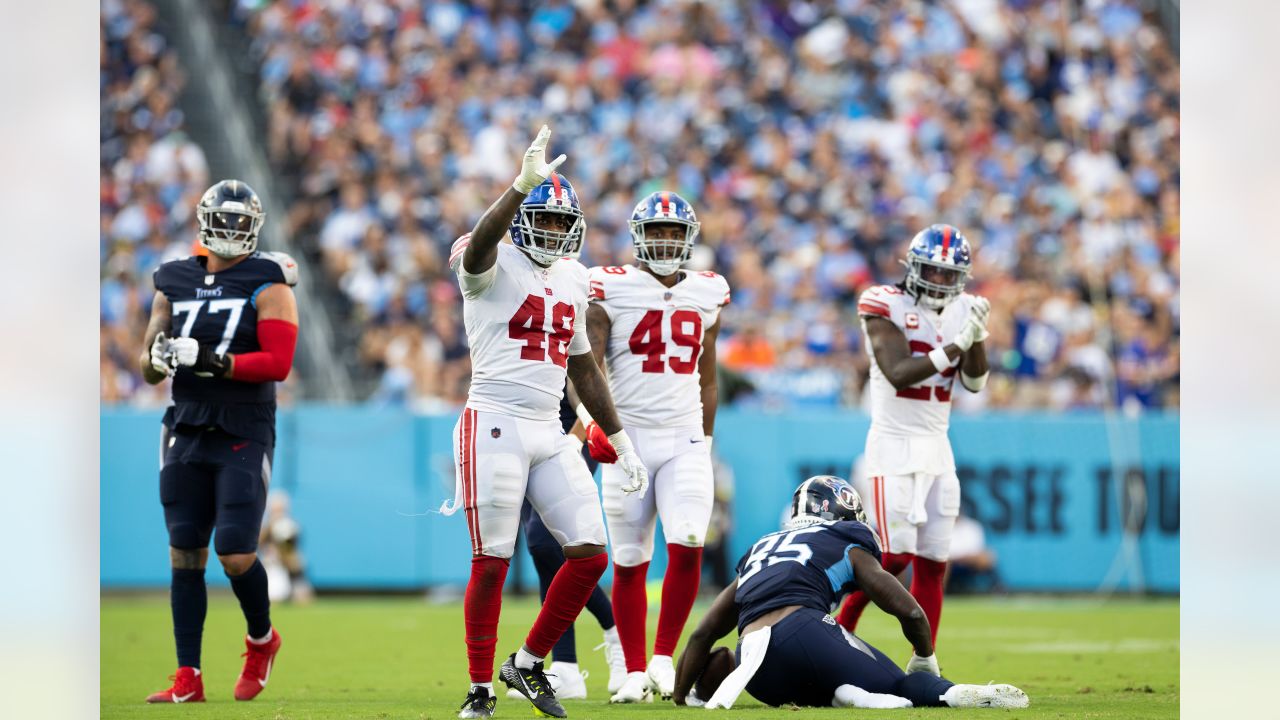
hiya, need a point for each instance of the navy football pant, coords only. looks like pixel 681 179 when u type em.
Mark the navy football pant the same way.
pixel 809 657
pixel 211 480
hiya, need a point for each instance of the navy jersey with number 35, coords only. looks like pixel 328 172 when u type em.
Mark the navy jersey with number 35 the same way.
pixel 220 311
pixel 808 567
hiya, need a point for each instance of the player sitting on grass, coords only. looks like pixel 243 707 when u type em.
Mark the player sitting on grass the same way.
pixel 790 650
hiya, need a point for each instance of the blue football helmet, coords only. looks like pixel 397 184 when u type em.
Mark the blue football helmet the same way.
pixel 938 264
pixel 230 216
pixel 825 499
pixel 663 256
pixel 555 196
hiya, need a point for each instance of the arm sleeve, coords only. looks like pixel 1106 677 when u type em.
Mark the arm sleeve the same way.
pixel 473 286
pixel 278 339
pixel 580 343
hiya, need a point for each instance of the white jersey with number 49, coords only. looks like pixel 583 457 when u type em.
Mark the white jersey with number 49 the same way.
pixel 924 409
pixel 523 322
pixel 655 341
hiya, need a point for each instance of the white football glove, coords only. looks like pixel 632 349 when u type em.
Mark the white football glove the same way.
pixel 185 351
pixel 981 307
pixel 161 355
pixel 926 664
pixel 637 476
pixel 535 168
pixel 971 332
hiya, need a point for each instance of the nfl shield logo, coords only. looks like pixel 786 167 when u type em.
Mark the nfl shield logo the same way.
pixel 666 295
pixel 496 432
pixel 208 279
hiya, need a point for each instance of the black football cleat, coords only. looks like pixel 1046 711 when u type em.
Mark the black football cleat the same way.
pixel 479 704
pixel 533 685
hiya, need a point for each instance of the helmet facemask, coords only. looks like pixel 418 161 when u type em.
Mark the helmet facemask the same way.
pixel 663 255
pixel 945 284
pixel 546 245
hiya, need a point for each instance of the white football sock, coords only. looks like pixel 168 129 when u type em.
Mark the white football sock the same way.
pixel 525 659
pixel 262 640
pixel 487 686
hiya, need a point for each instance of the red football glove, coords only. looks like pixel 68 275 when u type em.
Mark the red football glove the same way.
pixel 599 446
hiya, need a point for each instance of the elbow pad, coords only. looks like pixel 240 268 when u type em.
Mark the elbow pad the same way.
pixel 974 384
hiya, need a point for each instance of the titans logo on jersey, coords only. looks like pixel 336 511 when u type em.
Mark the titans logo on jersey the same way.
pixel 808 566
pixel 220 311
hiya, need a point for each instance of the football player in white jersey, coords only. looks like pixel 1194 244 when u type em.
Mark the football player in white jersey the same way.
pixel 524 306
pixel 922 334
pixel 654 326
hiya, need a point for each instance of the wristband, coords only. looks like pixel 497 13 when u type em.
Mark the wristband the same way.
pixel 938 356
pixel 621 443
pixel 974 384
pixel 583 415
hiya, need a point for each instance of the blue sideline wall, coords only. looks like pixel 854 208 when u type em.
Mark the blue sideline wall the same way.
pixel 1053 491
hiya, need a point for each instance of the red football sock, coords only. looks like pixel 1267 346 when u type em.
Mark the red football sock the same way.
pixel 679 590
pixel 926 587
pixel 851 610
pixel 630 606
pixel 570 589
pixel 481 608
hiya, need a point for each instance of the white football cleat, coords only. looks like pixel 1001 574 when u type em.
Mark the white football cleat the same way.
pixel 662 675
pixel 567 681
pixel 634 690
pixel 612 646
pixel 985 696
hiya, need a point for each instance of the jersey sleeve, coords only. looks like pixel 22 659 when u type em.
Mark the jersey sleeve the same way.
pixel 472 285
pixel 581 344
pixel 287 266
pixel 858 534
pixel 599 287
pixel 879 301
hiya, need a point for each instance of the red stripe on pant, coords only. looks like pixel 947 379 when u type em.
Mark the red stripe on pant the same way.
pixel 467 438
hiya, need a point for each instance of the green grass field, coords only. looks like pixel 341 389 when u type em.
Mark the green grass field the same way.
pixel 404 658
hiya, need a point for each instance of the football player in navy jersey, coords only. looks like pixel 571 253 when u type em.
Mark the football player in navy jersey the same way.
pixel 791 650
pixel 224 327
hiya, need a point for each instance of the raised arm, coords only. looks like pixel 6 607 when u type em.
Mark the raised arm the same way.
pixel 707 379
pixel 718 622
pixel 482 252
pixel 889 595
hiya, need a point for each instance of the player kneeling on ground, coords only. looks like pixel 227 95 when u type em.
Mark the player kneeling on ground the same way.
pixel 790 650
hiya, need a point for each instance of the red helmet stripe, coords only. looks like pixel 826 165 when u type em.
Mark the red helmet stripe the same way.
pixel 946 240
pixel 555 185
pixel 666 203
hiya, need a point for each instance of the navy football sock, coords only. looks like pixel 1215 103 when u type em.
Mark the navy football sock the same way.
pixel 188 601
pixel 923 689
pixel 599 606
pixel 251 589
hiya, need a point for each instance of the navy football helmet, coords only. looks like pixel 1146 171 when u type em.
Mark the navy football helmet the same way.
pixel 230 216
pixel 938 264
pixel 663 256
pixel 555 196
pixel 825 499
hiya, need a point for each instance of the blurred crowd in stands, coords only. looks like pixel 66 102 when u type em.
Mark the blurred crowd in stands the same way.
pixel 814 138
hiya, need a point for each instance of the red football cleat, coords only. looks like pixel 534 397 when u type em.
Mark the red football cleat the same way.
pixel 187 687
pixel 257 667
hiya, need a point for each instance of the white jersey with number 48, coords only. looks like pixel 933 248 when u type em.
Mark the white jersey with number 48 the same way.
pixel 922 411
pixel 523 322
pixel 655 341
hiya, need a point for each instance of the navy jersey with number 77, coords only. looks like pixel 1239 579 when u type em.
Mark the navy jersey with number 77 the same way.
pixel 807 566
pixel 220 310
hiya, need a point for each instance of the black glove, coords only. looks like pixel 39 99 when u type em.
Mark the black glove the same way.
pixel 211 364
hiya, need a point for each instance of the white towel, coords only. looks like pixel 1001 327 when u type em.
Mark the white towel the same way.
pixel 754 646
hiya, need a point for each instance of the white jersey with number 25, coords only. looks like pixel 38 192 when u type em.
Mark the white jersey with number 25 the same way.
pixel 922 411
pixel 655 341
pixel 523 322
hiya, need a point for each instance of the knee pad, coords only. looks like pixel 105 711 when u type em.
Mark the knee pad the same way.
pixel 234 539
pixel 632 555
pixel 188 536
